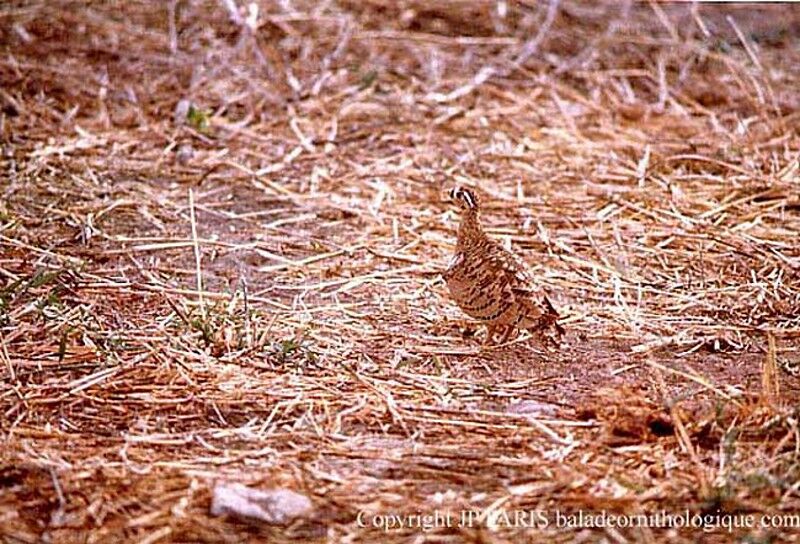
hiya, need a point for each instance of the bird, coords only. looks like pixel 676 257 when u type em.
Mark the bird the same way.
pixel 492 284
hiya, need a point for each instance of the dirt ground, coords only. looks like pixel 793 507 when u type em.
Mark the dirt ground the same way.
pixel 222 232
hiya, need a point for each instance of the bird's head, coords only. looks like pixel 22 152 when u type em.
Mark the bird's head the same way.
pixel 465 198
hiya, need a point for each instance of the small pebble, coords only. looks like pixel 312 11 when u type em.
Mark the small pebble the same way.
pixel 184 154
pixel 181 112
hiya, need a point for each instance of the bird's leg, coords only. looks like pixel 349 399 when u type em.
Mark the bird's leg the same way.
pixel 555 339
pixel 491 329
pixel 549 339
pixel 506 334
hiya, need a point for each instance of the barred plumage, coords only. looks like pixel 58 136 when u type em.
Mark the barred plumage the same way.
pixel 491 284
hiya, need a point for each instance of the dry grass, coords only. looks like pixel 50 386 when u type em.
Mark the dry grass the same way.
pixel 248 289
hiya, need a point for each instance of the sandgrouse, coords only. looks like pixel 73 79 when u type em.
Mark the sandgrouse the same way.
pixel 493 285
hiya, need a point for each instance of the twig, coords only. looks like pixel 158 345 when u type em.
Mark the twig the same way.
pixel 196 246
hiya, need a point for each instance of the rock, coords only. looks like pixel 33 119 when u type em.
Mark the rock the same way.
pixel 273 506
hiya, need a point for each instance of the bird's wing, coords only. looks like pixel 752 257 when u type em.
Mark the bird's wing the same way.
pixel 514 269
pixel 521 280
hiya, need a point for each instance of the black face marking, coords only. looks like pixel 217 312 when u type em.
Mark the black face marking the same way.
pixel 465 195
pixel 468 198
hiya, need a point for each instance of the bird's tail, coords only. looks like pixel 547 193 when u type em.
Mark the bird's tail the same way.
pixel 552 318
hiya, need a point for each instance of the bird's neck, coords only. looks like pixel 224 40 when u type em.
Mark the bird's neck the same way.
pixel 470 230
